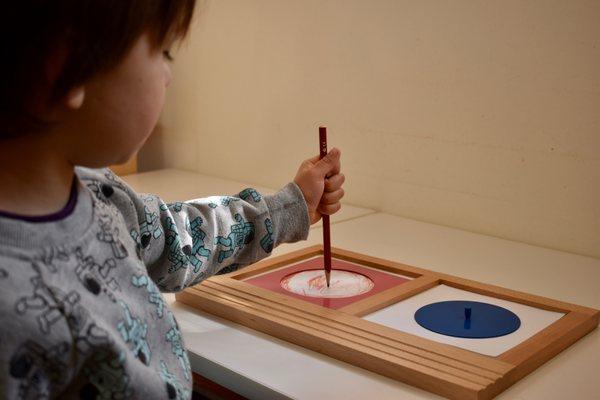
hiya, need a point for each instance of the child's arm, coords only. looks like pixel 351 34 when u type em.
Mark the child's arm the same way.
pixel 185 242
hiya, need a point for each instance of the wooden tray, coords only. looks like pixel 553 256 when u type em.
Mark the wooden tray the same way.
pixel 342 334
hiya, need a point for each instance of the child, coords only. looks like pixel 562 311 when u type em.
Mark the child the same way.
pixel 83 83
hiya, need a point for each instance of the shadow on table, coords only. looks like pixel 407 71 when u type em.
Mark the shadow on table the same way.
pixel 205 389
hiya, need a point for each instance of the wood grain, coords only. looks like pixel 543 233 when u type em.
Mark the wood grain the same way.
pixel 390 296
pixel 425 373
pixel 439 368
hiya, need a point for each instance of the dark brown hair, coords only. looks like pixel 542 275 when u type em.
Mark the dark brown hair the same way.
pixel 95 34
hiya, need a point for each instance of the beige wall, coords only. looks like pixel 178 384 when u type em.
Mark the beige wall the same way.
pixel 481 115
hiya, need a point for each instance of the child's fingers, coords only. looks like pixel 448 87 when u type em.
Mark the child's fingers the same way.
pixel 312 160
pixel 330 164
pixel 334 182
pixel 329 209
pixel 332 197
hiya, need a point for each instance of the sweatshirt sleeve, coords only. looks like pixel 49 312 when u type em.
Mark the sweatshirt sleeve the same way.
pixel 185 242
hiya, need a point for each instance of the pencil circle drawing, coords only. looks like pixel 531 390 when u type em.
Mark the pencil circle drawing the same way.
pixel 312 283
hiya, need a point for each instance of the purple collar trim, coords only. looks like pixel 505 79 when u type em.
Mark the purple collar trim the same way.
pixel 57 216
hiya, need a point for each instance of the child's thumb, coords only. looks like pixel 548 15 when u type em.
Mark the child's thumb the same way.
pixel 329 163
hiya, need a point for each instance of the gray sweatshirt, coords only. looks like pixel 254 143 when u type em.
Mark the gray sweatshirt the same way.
pixel 82 314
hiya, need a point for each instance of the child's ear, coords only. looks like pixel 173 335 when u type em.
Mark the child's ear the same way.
pixel 75 97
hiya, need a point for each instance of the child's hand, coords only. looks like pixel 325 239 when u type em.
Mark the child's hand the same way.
pixel 321 183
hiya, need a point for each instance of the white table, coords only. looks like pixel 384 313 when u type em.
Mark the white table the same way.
pixel 262 367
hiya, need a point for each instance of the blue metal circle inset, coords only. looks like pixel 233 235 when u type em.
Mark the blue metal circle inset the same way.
pixel 467 319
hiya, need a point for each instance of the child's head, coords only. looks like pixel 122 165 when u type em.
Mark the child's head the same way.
pixel 92 73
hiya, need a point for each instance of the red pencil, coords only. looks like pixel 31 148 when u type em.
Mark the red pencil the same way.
pixel 326 235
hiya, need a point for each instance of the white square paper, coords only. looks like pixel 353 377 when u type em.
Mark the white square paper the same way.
pixel 401 316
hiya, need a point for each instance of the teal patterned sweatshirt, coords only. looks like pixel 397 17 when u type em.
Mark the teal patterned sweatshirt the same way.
pixel 82 314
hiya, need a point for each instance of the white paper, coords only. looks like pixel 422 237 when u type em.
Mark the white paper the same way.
pixel 401 316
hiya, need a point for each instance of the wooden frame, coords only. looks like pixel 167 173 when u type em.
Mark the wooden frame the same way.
pixel 439 368
pixel 129 167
